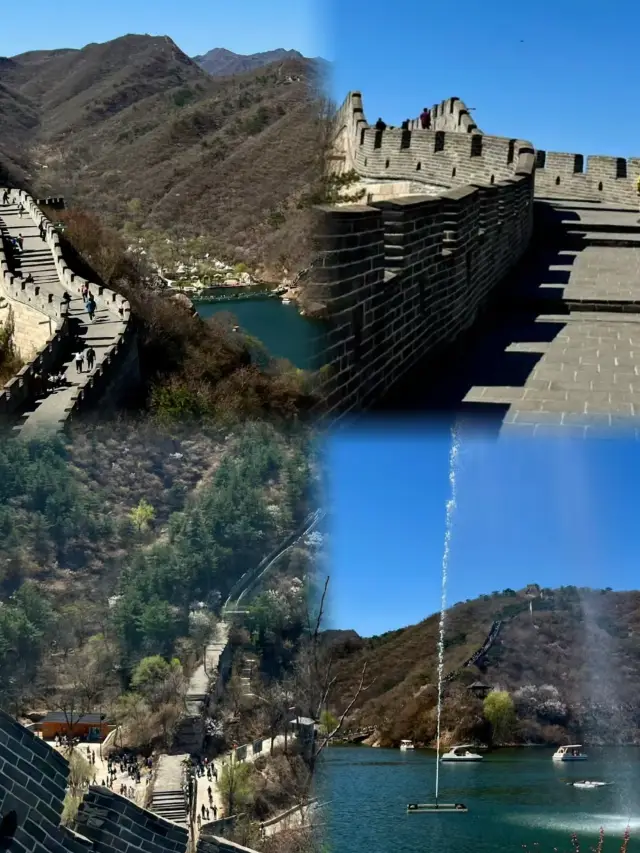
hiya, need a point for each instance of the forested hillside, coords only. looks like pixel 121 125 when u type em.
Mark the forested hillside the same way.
pixel 120 535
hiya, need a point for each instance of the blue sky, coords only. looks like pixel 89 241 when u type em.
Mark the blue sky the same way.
pixel 246 26
pixel 560 74
pixel 553 512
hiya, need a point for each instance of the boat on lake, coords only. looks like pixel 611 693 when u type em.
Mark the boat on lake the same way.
pixel 587 784
pixel 572 752
pixel 406 744
pixel 461 753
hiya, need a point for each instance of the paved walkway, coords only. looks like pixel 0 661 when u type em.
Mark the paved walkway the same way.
pixel 101 334
pixel 199 682
pixel 564 356
pixel 217 798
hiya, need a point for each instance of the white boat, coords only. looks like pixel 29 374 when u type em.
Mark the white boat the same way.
pixel 406 744
pixel 285 300
pixel 572 752
pixel 588 784
pixel 461 753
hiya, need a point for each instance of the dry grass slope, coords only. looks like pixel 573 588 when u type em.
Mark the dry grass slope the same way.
pixel 586 645
pixel 137 119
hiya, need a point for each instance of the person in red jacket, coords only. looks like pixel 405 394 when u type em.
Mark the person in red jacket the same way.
pixel 425 119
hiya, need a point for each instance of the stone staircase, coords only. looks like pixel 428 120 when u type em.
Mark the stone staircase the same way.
pixel 171 805
pixel 169 798
pixel 248 666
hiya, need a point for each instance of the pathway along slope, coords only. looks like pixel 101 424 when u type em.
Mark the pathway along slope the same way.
pixel 559 350
pixel 103 334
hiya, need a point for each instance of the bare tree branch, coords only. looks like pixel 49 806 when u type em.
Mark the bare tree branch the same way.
pixel 360 689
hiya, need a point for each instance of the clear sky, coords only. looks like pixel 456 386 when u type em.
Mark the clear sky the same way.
pixel 552 512
pixel 196 26
pixel 562 74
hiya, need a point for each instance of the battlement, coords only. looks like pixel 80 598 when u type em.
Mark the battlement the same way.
pixel 436 159
pixel 588 177
pixel 33 783
pixel 407 275
pixel 449 115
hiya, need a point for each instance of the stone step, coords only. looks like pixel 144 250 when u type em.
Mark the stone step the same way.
pixel 619 227
pixel 169 807
pixel 591 237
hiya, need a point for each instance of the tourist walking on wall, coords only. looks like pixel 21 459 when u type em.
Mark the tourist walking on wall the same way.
pixel 381 125
pixel 20 241
pixel 91 307
pixel 425 119
pixel 5 197
pixel 79 361
pixel 91 360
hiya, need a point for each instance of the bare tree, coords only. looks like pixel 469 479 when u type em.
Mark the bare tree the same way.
pixel 316 682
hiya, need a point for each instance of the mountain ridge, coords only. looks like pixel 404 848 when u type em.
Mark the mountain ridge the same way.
pixel 571 664
pixel 219 61
pixel 136 122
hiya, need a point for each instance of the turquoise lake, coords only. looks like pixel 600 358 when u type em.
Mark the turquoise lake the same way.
pixel 280 327
pixel 515 797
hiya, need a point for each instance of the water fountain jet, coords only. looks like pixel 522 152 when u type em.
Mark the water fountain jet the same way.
pixel 436 807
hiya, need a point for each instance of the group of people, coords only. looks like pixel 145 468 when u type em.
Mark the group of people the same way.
pixel 127 763
pixel 425 121
pixel 205 813
pixel 16 243
pixel 66 741
pixel 89 354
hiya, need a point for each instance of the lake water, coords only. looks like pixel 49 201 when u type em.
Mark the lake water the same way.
pixel 280 327
pixel 515 797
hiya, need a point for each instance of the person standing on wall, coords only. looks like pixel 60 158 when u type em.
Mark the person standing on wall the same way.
pixel 381 125
pixel 91 358
pixel 425 119
pixel 91 307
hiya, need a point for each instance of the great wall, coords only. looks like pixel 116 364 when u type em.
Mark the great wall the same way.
pixel 48 329
pixel 34 775
pixel 479 275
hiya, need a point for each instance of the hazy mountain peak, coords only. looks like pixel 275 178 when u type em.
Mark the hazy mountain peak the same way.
pixel 221 62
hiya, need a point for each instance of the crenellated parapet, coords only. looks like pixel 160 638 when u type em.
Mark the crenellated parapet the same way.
pixel 451 115
pixel 401 161
pixel 405 275
pixel 590 178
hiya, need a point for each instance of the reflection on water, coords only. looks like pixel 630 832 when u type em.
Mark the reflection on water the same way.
pixel 515 797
